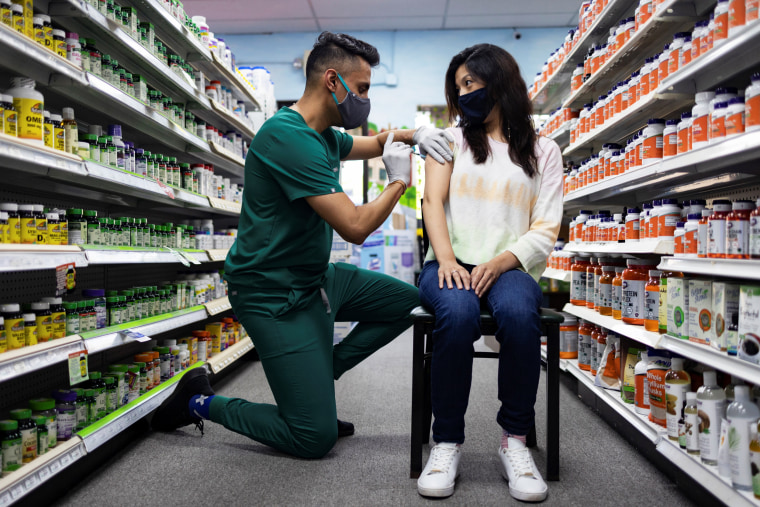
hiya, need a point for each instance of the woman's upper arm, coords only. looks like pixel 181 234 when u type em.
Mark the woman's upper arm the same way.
pixel 437 180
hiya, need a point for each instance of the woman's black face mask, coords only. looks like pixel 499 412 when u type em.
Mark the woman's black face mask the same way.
pixel 476 106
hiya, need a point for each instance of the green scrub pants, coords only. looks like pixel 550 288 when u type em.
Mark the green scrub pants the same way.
pixel 293 335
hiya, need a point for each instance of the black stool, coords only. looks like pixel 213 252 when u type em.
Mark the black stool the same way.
pixel 422 410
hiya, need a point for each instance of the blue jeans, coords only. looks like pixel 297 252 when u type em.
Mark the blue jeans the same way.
pixel 514 300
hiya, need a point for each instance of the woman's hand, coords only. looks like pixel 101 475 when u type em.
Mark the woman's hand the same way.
pixel 453 274
pixel 484 275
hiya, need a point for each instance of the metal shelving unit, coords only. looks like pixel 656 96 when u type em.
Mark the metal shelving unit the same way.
pixel 15 257
pixel 638 333
pixel 225 358
pixel 748 269
pixel 556 274
pixel 643 247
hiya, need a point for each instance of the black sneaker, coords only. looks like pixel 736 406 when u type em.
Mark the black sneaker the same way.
pixel 345 429
pixel 173 412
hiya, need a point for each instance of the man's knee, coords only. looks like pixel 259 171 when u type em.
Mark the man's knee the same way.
pixel 316 442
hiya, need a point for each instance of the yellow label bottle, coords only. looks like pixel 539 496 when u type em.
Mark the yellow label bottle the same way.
pixel 7 17
pixel 17 18
pixel 59 43
pixel 47 28
pixel 29 104
pixel 13 233
pixel 28 224
pixel 14 325
pixel 9 115
pixel 40 223
pixel 39 31
pixel 71 131
pixel 30 329
pixel 59 135
pixel 3 339
pixel 53 229
pixel 27 13
pixel 44 321
pixel 47 131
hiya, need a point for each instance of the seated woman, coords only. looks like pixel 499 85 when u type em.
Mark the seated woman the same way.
pixel 492 216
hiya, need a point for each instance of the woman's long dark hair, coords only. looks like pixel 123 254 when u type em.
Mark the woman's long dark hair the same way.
pixel 506 88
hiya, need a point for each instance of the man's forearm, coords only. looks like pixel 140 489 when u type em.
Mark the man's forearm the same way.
pixel 373 214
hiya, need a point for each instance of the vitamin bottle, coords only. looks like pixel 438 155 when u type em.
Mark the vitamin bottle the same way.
pixel 736 16
pixel 81 410
pixel 653 142
pixel 43 437
pixel 635 277
pixel 652 301
pixel 584 345
pixel 700 114
pixel 691 240
pixel 716 229
pixel 617 294
pixel 734 122
pixel 29 105
pixel 47 130
pixel 44 318
pixel 752 104
pixel 712 401
pixel 111 394
pixel 14 222
pixel 5 14
pixel 677 384
pixel 703 242
pixel 72 318
pixel 45 407
pixel 28 225
pixel 718 122
pixel 9 116
pixel 590 285
pixel 754 232
pixel 742 414
pixel 670 139
pixel 720 32
pixel 53 226
pixel 641 386
pixel 14 325
pixel 593 356
pixel 57 317
pixel 11 442
pixel 632 225
pixel 17 18
pixel 578 279
pixel 684 133
pixel 605 290
pixel 738 229
pixel 691 424
pixel 28 431
pixel 668 215
pixel 71 131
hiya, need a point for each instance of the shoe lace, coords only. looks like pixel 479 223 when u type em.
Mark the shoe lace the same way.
pixel 442 458
pixel 521 461
pixel 199 426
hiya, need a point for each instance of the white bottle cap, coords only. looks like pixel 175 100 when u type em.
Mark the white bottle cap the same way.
pixel 710 378
pixel 691 396
pixel 56 117
pixel 68 113
pixel 676 363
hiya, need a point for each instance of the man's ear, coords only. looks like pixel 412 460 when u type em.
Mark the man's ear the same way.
pixel 331 80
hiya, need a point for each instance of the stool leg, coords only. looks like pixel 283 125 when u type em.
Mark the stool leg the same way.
pixel 427 400
pixel 552 403
pixel 530 440
pixel 418 389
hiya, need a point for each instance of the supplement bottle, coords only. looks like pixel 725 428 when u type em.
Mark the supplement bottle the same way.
pixel 617 293
pixel 92 406
pixel 3 338
pixel 98 385
pixel 30 329
pixel 57 317
pixel 700 114
pixel 590 282
pixel 653 142
pixel 669 214
pixel 584 345
pixel 641 386
pixel 734 122
pixel 114 311
pixel 716 229
pixel 53 228
pixel 691 424
pixel 605 290
pixel 9 116
pixel 711 403
pixel 738 229
pixel 14 325
pixel 45 407
pixel 703 241
pixel 691 240
pixel 112 395
pixel 678 240
pixel 114 131
pixel 736 16
pixel 10 441
pixel 652 302
pixel 754 232
pixel 677 384
pixel 119 371
pixel 578 279
pixel 633 293
pixel 133 382
pixel 742 415
pixel 92 227
pixel 29 105
pixel 71 130
pixel 684 133
pixel 657 368
pixel 43 435
pixel 77 226
pixel 27 224
pixel 48 136
pixel 670 139
pixel 14 222
pixel 720 32
pixel 99 300
pixel 44 318
pixel 718 122
pixel 72 318
pixel 593 354
pixel 28 431
pixel 752 104
pixel 81 410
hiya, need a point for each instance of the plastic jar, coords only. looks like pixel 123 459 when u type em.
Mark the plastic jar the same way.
pixel 166 362
pixel 14 326
pixel 738 229
pixel 691 240
pixel 142 381
pixel 133 382
pixel 92 406
pixel 720 31
pixel 684 56
pixel 703 237
pixel 718 122
pixel 584 345
pixel 80 410
pixel 633 298
pixel 668 215
pixel 577 284
pixel 683 143
pixel 716 229
pixel 653 142
pixel 112 394
pixel 674 58
pixel 65 413
pixel 678 239
pixel 700 119
pixel 27 224
pixel 45 407
pixel 53 226
pixel 100 304
pixel 752 104
pixel 670 139
pixel 30 329
pixel 11 442
pixel 29 105
pixel 663 60
pixel 44 321
pixel 605 290
pixel 98 385
pixel 590 287
pixel 734 122
pixel 28 430
pixel 43 435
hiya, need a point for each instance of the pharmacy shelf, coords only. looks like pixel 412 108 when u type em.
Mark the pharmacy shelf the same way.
pixel 729 268
pixel 37 159
pixel 705 475
pixel 654 432
pixel 14 363
pixel 171 31
pixel 111 425
pixel 233 208
pixel 217 255
pixel 707 355
pixel 724 164
pixel 638 333
pixel 216 69
pixel 225 358
pixel 99 255
pixel 221 117
pixel 643 247
pixel 561 136
pixel 218 306
pixel 671 17
pixel 223 152
pixel 550 95
pixel 115 336
pixel 15 257
pixel 556 274
pixel 17 484
pixel 20 53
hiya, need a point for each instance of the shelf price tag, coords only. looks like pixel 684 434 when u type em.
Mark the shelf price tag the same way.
pixel 168 191
pixel 136 336
pixel 65 279
pixel 78 369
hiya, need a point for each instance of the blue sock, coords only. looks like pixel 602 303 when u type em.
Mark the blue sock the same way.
pixel 200 405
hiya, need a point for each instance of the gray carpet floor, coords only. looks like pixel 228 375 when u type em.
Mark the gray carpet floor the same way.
pixel 598 467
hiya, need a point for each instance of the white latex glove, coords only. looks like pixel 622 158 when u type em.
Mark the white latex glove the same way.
pixel 434 142
pixel 397 158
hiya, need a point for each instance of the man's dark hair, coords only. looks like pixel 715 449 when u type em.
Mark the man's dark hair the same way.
pixel 340 52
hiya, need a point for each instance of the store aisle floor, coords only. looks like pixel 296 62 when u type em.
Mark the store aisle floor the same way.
pixel 598 467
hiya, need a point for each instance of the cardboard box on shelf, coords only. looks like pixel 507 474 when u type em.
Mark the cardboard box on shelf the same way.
pixel 700 311
pixel 749 323
pixel 725 307
pixel 678 307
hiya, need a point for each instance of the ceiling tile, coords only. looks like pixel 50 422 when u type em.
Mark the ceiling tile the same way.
pixel 381 23
pixel 496 7
pixel 249 9
pixel 511 21
pixel 386 8
pixel 245 26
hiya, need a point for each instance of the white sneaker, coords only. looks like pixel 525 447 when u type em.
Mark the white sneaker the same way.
pixel 440 473
pixel 525 481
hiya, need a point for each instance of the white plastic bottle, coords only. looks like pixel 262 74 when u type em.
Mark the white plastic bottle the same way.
pixel 752 104
pixel 741 414
pixel 711 401
pixel 71 140
pixel 700 125
pixel 115 132
pixel 691 424
pixel 29 105
pixel 677 384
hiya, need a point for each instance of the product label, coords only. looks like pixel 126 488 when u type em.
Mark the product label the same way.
pixel 59 139
pixel 700 311
pixel 100 404
pixel 737 238
pixel 692 423
pixel 641 399
pixel 734 124
pixel 605 295
pixel 657 405
pixel 721 27
pixel 14 330
pixel 52 427
pixel 752 111
pixel 66 421
pixel 739 442
pixel 28 444
pixel 633 295
pixel 28 231
pixel 44 327
pixel 699 131
pixel 29 118
pixel 568 342
pixel 716 236
pixel 652 305
pixel 662 314
pixel 584 349
pixel 675 399
pixel 653 147
pixel 112 401
pixel 11 455
pixel 709 428
pixel 578 286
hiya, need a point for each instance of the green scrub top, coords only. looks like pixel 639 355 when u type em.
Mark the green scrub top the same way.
pixel 282 242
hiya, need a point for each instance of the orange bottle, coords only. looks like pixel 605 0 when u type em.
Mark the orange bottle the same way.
pixel 601 262
pixel 601 344
pixel 568 338
pixel 594 352
pixel 635 278
pixel 652 301
pixel 590 282
pixel 617 294
pixel 584 345
pixel 605 290
pixel 578 279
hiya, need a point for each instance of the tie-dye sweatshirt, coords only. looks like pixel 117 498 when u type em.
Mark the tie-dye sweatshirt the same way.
pixel 494 207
